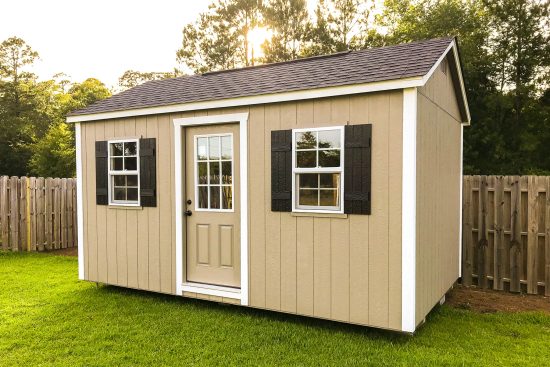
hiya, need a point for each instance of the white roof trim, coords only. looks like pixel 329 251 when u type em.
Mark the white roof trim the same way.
pixel 282 97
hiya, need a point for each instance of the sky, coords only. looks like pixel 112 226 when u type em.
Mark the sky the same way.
pixel 99 38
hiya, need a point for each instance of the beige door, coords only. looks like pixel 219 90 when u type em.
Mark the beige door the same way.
pixel 212 205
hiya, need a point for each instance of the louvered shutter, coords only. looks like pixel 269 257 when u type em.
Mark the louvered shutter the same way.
pixel 101 173
pixel 357 169
pixel 148 172
pixel 281 170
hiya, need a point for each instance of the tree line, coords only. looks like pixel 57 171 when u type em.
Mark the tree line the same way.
pixel 504 47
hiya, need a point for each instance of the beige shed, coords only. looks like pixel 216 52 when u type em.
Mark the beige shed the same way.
pixel 327 186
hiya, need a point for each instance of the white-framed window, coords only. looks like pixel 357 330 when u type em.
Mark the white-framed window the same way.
pixel 317 169
pixel 123 172
pixel 214 166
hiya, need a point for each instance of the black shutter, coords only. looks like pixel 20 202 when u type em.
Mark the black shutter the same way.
pixel 101 173
pixel 148 172
pixel 281 170
pixel 357 169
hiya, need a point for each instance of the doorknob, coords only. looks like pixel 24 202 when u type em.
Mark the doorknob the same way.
pixel 188 213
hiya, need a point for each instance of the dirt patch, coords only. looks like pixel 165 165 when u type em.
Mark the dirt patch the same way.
pixel 71 251
pixel 487 301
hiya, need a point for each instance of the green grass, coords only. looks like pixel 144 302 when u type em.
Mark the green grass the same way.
pixel 48 317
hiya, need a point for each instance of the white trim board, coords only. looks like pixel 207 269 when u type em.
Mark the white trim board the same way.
pixel 408 227
pixel 79 201
pixel 181 286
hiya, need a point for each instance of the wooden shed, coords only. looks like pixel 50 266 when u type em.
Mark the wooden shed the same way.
pixel 327 186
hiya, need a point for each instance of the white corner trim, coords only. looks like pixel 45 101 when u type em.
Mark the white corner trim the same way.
pixel 460 205
pixel 242 119
pixel 79 201
pixel 408 229
pixel 253 100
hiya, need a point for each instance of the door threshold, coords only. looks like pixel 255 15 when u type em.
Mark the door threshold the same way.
pixel 212 290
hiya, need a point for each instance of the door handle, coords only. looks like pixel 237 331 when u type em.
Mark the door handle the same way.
pixel 188 213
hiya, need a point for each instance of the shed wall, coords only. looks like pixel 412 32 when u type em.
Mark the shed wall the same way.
pixel 438 191
pixel 345 268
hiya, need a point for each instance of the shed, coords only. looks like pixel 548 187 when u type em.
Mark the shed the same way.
pixel 327 186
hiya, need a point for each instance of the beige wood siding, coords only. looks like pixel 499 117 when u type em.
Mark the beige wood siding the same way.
pixel 438 192
pixel 344 268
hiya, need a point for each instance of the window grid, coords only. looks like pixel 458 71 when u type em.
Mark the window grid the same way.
pixel 123 171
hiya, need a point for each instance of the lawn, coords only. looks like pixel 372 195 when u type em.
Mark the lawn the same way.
pixel 48 317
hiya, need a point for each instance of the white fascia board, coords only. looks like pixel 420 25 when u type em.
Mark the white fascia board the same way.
pixel 79 201
pixel 408 218
pixel 253 100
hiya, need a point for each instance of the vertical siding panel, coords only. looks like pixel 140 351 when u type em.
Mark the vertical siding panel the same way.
pixel 378 229
pixel 164 203
pixel 273 219
pixel 102 269
pixel 121 234
pixel 154 216
pixel 288 232
pixel 142 225
pixel 304 236
pixel 395 189
pixel 91 240
pixel 132 223
pixel 86 204
pixel 112 268
pixel 257 195
pixel 339 242
pixel 359 235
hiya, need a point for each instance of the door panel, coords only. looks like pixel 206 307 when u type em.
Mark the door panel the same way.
pixel 212 188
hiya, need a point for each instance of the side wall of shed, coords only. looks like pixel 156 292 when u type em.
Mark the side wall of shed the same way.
pixel 438 191
pixel 345 268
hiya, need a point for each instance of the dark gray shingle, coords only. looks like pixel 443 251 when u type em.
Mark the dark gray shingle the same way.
pixel 346 68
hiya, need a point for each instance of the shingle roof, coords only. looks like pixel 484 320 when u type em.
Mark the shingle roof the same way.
pixel 344 68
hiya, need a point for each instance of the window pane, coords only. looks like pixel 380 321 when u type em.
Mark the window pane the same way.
pixel 132 194
pixel 116 149
pixel 130 148
pixel 203 174
pixel 214 197
pixel 130 164
pixel 214 147
pixel 329 139
pixel 306 140
pixel 203 197
pixel 306 159
pixel 132 180
pixel 308 197
pixel 119 180
pixel 226 147
pixel 329 158
pixel 201 149
pixel 227 197
pixel 116 164
pixel 329 180
pixel 308 180
pixel 329 197
pixel 227 176
pixel 214 172
pixel 120 193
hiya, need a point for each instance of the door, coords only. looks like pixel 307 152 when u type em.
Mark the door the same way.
pixel 212 205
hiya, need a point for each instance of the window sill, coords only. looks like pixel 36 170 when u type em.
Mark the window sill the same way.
pixel 124 207
pixel 319 215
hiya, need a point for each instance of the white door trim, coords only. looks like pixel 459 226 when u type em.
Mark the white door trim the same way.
pixel 181 285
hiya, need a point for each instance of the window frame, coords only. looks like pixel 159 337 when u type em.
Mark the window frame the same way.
pixel 195 172
pixel 111 173
pixel 317 170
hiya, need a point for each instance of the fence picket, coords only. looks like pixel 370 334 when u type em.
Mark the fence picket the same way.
pixel 467 255
pixel 498 272
pixel 14 213
pixel 532 235
pixel 482 241
pixel 4 212
pixel 547 240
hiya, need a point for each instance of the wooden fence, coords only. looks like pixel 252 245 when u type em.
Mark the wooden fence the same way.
pixel 506 233
pixel 37 214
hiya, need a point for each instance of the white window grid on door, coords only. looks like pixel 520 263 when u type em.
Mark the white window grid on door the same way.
pixel 112 172
pixel 208 185
pixel 296 171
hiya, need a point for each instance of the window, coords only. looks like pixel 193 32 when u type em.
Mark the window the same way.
pixel 124 172
pixel 214 172
pixel 317 169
